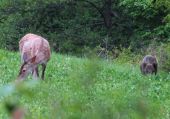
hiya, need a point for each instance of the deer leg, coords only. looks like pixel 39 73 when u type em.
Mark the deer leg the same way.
pixel 35 73
pixel 36 70
pixel 43 71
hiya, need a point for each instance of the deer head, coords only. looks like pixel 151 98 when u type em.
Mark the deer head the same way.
pixel 26 67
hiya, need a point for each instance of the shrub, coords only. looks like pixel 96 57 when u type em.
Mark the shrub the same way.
pixel 164 57
pixel 127 56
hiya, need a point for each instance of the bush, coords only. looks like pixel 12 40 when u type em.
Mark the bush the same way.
pixel 164 57
pixel 127 56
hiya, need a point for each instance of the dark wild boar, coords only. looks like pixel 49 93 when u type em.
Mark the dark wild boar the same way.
pixel 149 65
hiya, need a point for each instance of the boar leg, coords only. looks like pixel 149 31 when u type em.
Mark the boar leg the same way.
pixel 142 68
pixel 155 67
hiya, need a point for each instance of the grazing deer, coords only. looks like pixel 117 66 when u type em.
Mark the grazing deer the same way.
pixel 34 50
pixel 149 65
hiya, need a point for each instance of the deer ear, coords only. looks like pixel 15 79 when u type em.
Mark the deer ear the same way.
pixel 25 57
pixel 33 59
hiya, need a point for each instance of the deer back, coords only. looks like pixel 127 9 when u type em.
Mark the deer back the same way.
pixel 32 45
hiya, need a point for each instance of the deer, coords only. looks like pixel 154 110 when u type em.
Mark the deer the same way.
pixel 149 65
pixel 34 51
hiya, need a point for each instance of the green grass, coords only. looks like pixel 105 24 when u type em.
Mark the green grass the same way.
pixel 77 88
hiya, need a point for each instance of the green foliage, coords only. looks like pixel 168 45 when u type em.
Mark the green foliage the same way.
pixel 70 26
pixel 164 57
pixel 127 56
pixel 85 88
pixel 150 21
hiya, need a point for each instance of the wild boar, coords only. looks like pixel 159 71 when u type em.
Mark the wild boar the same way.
pixel 149 65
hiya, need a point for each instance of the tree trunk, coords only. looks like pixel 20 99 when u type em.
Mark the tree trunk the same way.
pixel 107 13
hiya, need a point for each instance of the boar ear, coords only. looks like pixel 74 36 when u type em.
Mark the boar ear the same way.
pixel 33 59
pixel 25 57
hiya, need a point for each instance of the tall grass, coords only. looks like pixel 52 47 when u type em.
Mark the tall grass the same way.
pixel 77 88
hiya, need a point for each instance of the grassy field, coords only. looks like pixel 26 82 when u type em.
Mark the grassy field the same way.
pixel 77 88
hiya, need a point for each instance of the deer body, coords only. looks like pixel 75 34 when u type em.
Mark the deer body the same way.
pixel 34 50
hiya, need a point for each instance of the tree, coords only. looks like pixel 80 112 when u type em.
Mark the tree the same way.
pixel 106 12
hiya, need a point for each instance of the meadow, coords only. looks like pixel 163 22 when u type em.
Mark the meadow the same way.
pixel 84 88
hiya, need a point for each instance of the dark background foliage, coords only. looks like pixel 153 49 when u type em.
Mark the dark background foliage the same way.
pixel 73 25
